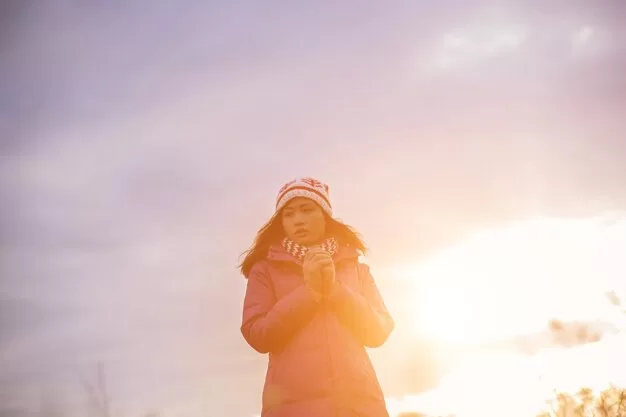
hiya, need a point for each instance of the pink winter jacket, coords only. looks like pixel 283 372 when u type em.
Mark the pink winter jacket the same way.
pixel 318 365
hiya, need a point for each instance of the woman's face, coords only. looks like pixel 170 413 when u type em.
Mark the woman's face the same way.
pixel 304 221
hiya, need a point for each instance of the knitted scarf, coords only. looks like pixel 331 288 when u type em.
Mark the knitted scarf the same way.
pixel 299 251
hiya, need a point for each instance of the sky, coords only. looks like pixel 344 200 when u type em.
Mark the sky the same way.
pixel 142 145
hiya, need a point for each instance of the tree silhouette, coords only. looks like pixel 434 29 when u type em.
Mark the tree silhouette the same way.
pixel 97 394
pixel 609 403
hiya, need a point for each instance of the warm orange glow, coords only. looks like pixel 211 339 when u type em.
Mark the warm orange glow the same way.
pixel 510 281
pixel 520 385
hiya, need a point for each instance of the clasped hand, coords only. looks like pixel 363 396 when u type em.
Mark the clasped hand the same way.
pixel 318 268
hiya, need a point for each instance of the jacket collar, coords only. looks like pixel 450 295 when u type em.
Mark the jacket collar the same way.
pixel 278 253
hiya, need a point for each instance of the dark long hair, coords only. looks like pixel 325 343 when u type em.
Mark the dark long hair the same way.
pixel 272 232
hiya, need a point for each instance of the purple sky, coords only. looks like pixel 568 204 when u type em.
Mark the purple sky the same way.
pixel 142 144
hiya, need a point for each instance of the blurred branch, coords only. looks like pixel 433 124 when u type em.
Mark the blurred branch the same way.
pixel 97 394
pixel 613 298
pixel 102 389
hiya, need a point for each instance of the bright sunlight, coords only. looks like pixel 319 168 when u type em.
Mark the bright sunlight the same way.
pixel 508 282
pixel 505 282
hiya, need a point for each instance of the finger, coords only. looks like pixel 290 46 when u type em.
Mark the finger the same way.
pixel 320 257
pixel 325 262
pixel 310 256
pixel 320 252
pixel 317 254
pixel 315 251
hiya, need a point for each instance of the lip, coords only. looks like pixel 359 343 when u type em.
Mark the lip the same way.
pixel 301 232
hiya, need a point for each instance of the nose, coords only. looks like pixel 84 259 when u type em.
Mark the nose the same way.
pixel 298 219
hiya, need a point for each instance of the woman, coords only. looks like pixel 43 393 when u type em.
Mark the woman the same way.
pixel 314 308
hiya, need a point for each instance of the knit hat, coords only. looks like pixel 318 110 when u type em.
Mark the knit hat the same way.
pixel 305 187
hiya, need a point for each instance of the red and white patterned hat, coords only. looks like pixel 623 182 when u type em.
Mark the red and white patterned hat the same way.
pixel 305 187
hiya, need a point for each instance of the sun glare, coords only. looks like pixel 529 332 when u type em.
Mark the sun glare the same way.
pixel 511 281
pixel 518 384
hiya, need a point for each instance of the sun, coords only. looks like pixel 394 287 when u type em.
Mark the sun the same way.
pixel 509 281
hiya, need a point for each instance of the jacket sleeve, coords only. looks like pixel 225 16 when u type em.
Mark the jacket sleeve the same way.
pixel 267 324
pixel 363 312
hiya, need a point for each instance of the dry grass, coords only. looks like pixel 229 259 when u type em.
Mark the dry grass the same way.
pixel 608 403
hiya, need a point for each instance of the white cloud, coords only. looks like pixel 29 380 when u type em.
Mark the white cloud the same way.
pixel 510 281
pixel 474 45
